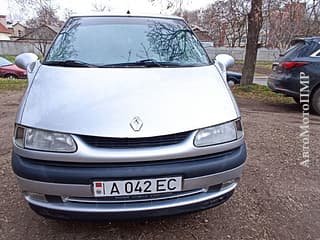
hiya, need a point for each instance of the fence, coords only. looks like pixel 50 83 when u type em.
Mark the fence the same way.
pixel 16 47
pixel 264 54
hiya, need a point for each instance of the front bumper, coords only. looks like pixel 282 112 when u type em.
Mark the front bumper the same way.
pixel 64 190
pixel 111 212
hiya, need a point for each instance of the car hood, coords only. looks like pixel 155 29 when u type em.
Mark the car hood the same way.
pixel 103 101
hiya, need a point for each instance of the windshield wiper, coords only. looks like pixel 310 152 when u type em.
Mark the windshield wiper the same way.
pixel 149 62
pixel 69 63
pixel 142 63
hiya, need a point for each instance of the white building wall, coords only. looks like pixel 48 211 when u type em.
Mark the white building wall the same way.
pixel 4 36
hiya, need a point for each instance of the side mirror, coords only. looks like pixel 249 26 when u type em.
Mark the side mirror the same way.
pixel 25 59
pixel 225 61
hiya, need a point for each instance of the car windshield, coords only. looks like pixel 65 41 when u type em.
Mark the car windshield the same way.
pixel 4 62
pixel 126 42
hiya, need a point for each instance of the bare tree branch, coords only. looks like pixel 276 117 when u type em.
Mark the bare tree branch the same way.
pixel 102 6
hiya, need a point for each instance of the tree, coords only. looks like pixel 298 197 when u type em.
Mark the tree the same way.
pixel 43 25
pixel 235 21
pixel 102 6
pixel 170 6
pixel 286 22
pixel 313 18
pixel 30 8
pixel 68 13
pixel 45 15
pixel 225 20
pixel 255 21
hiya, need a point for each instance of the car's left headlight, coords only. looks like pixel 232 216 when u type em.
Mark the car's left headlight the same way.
pixel 223 133
pixel 41 140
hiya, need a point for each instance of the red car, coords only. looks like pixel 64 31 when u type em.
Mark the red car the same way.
pixel 10 70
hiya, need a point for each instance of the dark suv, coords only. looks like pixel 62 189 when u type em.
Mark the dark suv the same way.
pixel 303 57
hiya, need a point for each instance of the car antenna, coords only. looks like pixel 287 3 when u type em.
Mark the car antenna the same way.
pixel 128 12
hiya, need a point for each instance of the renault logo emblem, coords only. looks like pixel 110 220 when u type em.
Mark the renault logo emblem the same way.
pixel 136 124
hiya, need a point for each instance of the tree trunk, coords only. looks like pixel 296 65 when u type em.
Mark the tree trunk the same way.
pixel 254 27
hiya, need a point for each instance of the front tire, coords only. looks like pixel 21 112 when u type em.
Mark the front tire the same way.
pixel 231 83
pixel 315 102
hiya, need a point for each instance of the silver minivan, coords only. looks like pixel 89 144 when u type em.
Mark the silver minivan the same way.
pixel 126 117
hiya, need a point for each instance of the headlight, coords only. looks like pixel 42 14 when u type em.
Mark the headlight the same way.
pixel 219 134
pixel 41 140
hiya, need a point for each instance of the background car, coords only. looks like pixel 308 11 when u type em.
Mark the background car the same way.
pixel 10 70
pixel 233 78
pixel 303 57
pixel 207 44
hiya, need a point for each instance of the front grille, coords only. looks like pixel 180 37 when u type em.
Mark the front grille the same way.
pixel 107 142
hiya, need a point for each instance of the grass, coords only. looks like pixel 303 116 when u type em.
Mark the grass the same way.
pixel 12 84
pixel 264 64
pixel 11 58
pixel 260 93
pixel 263 68
pixel 254 91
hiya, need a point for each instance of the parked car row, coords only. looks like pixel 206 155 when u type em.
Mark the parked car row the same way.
pixel 10 70
pixel 296 71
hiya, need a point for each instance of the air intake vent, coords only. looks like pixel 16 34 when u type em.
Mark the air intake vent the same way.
pixel 106 142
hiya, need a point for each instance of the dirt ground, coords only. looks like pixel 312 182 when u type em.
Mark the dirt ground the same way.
pixel 277 198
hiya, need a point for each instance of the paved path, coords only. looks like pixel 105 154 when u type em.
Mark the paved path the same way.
pixel 261 80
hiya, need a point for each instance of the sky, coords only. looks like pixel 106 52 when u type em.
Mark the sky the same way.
pixel 117 6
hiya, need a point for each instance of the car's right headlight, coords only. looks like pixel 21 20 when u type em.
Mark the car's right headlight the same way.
pixel 42 140
pixel 222 133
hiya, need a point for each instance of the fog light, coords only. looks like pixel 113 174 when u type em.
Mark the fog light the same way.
pixel 35 196
pixel 230 182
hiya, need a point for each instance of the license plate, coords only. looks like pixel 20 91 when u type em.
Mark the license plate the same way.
pixel 137 187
